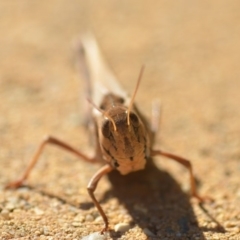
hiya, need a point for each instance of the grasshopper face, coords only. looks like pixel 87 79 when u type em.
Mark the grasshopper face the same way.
pixel 125 147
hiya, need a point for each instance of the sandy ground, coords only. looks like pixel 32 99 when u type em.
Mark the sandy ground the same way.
pixel 192 52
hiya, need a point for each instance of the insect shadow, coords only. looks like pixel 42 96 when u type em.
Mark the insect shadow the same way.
pixel 155 201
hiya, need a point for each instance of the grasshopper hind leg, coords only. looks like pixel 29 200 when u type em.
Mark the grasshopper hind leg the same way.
pixel 156 116
pixel 84 73
pixel 86 92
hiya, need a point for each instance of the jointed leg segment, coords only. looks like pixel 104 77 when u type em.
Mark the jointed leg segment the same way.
pixel 186 163
pixel 91 188
pixel 47 140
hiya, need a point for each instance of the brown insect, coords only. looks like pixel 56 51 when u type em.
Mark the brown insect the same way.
pixel 123 137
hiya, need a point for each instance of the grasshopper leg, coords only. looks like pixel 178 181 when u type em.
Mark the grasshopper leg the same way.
pixel 156 116
pixel 45 141
pixel 186 163
pixel 92 187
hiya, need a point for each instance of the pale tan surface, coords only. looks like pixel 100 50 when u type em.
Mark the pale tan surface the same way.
pixel 192 53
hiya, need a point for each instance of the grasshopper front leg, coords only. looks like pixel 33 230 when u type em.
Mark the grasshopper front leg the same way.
pixel 186 163
pixel 32 163
pixel 92 185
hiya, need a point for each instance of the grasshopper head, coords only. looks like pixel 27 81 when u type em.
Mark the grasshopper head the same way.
pixel 124 140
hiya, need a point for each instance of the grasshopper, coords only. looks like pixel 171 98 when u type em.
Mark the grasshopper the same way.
pixel 123 136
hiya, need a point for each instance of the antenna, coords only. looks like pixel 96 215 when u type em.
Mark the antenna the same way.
pixel 134 94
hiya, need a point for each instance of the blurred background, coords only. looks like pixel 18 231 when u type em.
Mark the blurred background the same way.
pixel 191 50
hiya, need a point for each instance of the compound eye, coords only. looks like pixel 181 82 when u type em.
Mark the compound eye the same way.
pixel 106 128
pixel 134 119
